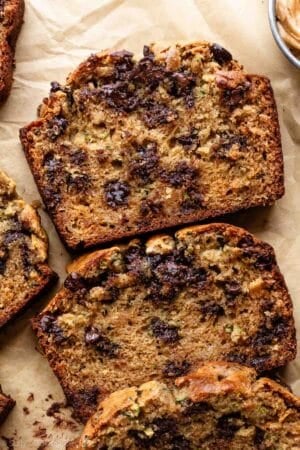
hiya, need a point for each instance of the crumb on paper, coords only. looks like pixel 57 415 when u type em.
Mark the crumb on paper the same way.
pixel 30 397
pixel 26 410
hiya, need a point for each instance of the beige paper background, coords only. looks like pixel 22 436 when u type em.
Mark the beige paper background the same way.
pixel 56 36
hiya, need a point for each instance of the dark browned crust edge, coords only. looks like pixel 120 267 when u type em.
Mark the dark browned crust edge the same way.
pixel 8 48
pixel 6 405
pixel 81 410
pixel 49 278
pixel 156 224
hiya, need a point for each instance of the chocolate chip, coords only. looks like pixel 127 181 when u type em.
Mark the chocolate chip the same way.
pixel 3 265
pixel 212 310
pixel 78 157
pixel 52 197
pixel 119 96
pixel 158 114
pixel 220 54
pixel 151 207
pixel 234 97
pixel 228 425
pixel 258 436
pixel 192 199
pixel 232 289
pixel 181 84
pixel 246 241
pixel 164 331
pixel 55 86
pixel 189 140
pixel 176 368
pixel 11 236
pixel 82 397
pixel 48 324
pixel 56 127
pixel 145 165
pixel 182 175
pixel 195 408
pixel 53 167
pixel 74 282
pixel 103 344
pixel 78 182
pixel 116 193
pixel 147 52
pixel 264 262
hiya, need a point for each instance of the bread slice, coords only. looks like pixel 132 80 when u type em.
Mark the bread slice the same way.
pixel 219 406
pixel 11 19
pixel 24 272
pixel 6 405
pixel 127 146
pixel 154 309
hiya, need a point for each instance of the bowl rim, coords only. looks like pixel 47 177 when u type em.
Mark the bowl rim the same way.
pixel 277 36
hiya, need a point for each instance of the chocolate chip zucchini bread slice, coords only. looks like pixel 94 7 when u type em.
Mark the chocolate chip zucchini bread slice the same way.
pixel 154 309
pixel 128 146
pixel 6 405
pixel 24 272
pixel 11 18
pixel 219 406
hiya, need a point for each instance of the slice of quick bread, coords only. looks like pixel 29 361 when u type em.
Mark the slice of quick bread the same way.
pixel 6 405
pixel 153 309
pixel 219 406
pixel 24 272
pixel 128 146
pixel 11 18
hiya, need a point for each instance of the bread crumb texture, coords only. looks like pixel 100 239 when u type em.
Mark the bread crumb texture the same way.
pixel 154 309
pixel 23 252
pixel 128 146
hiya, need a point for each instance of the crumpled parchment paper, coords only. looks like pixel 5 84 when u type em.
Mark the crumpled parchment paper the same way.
pixel 57 35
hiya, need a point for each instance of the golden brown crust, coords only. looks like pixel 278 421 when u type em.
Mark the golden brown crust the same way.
pixel 6 405
pixel 219 405
pixel 24 272
pixel 256 121
pixel 238 310
pixel 12 12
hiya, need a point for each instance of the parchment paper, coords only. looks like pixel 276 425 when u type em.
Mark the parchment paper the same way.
pixel 56 36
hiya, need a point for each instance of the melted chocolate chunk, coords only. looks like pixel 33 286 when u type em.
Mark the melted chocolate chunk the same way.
pixel 196 408
pixel 163 331
pixel 176 368
pixel 145 165
pixel 193 199
pixel 220 54
pixel 181 84
pixel 123 64
pixel 78 182
pixel 3 261
pixel 234 97
pixel 56 127
pixel 105 346
pixel 264 262
pixel 212 310
pixel 74 282
pixel 258 436
pixel 182 175
pixel 119 96
pixel 53 168
pixel 232 289
pixel 116 193
pixel 228 425
pixel 78 157
pixel 246 241
pixel 48 324
pixel 151 207
pixel 189 140
pixel 87 396
pixel 12 236
pixel 157 114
